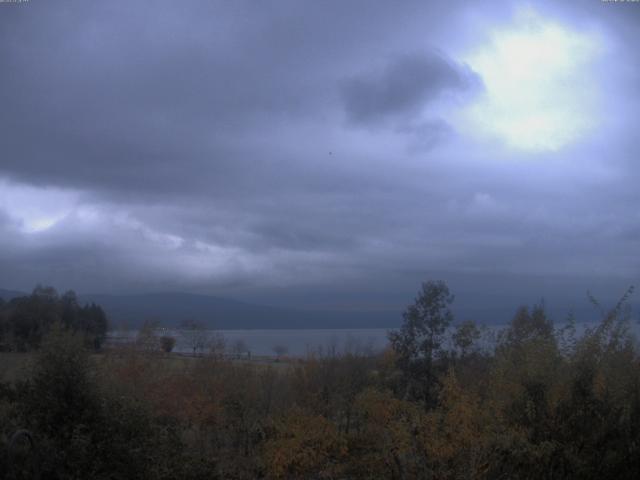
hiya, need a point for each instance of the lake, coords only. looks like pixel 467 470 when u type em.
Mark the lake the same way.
pixel 295 342
pixel 299 342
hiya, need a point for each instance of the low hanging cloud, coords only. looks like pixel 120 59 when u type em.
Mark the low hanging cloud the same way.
pixel 404 87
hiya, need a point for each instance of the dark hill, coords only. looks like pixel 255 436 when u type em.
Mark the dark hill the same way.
pixel 172 308
pixel 7 295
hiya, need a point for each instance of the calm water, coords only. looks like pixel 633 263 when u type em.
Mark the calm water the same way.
pixel 295 342
pixel 303 342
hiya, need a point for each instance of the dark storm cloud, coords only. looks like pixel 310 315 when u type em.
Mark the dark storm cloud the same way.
pixel 203 146
pixel 125 95
pixel 404 86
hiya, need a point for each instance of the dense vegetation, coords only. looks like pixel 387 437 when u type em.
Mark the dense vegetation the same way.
pixel 539 402
pixel 25 321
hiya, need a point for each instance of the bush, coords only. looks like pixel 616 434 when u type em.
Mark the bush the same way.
pixel 167 343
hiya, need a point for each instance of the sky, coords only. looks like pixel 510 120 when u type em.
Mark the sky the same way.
pixel 321 154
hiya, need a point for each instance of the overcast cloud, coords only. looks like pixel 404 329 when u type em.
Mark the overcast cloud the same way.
pixel 320 153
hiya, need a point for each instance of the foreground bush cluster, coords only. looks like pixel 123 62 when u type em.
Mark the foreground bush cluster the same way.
pixel 540 402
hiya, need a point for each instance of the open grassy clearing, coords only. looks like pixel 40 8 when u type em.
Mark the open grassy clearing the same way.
pixel 15 365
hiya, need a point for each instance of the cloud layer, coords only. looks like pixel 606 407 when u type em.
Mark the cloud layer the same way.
pixel 404 87
pixel 309 152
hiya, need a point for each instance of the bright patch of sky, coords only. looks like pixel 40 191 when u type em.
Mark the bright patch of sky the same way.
pixel 35 209
pixel 539 93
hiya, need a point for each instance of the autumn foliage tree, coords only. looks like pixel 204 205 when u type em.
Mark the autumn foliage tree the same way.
pixel 418 344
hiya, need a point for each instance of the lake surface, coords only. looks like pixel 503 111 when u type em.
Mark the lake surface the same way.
pixel 300 343
pixel 294 342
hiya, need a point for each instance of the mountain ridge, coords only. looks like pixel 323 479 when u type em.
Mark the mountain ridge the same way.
pixel 171 308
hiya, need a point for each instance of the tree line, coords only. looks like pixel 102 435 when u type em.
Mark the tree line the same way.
pixel 441 402
pixel 25 321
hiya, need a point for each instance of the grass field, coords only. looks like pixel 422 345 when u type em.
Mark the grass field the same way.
pixel 14 366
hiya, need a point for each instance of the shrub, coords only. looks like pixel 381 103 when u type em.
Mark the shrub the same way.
pixel 167 343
